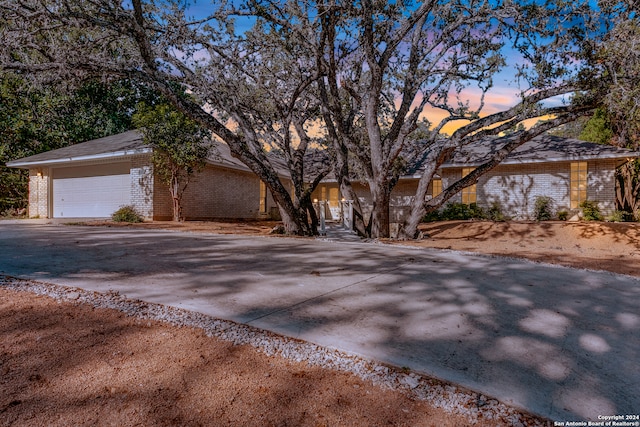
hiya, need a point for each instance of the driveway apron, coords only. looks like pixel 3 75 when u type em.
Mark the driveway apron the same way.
pixel 559 342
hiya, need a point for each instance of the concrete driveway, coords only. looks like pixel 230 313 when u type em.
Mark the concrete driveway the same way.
pixel 559 342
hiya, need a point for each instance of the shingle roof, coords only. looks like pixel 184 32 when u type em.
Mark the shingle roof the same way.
pixel 545 148
pixel 542 149
pixel 120 145
pixel 123 144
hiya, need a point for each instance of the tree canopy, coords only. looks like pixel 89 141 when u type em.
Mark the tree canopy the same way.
pixel 180 147
pixel 37 119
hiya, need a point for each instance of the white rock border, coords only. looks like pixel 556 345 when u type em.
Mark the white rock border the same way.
pixel 451 398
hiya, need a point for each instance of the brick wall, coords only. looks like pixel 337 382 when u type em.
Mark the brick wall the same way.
pixel 39 193
pixel 601 185
pixel 142 184
pixel 515 187
pixel 401 197
pixel 213 193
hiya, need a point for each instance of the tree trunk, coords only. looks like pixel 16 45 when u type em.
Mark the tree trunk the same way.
pixel 380 211
pixel 418 210
pixel 347 191
pixel 341 170
pixel 175 197
pixel 296 222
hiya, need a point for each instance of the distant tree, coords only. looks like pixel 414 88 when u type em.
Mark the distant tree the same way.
pixel 571 129
pixel 618 121
pixel 619 57
pixel 598 128
pixel 180 147
pixel 34 120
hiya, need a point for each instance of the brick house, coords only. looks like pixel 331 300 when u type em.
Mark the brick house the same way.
pixel 568 171
pixel 93 179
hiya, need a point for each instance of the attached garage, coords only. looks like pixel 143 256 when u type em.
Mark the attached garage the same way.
pixel 90 191
pixel 90 180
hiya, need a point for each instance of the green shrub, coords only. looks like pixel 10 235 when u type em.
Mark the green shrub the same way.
pixel 621 216
pixel 476 212
pixel 458 211
pixel 431 216
pixel 543 208
pixel 590 211
pixel 126 214
pixel 563 215
pixel 495 213
pixel 454 211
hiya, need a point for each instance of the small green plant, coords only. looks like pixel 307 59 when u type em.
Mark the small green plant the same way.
pixel 543 208
pixel 563 215
pixel 621 216
pixel 126 214
pixel 590 211
pixel 495 213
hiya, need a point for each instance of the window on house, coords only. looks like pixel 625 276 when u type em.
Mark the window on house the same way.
pixel 578 183
pixel 468 193
pixel 436 187
pixel 263 197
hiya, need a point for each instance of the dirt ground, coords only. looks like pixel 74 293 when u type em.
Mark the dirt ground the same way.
pixel 606 246
pixel 66 363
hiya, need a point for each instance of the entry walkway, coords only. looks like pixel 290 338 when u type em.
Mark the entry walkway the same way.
pixel 336 232
pixel 559 342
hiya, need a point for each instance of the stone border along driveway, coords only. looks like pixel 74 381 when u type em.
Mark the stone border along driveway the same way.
pixel 451 398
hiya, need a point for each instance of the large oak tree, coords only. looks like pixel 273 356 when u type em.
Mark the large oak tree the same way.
pixel 390 69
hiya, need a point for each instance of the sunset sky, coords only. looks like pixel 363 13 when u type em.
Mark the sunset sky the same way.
pixel 502 96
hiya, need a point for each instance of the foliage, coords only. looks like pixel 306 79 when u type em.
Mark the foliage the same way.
pixel 495 214
pixel 13 213
pixel 543 208
pixel 619 57
pixel 598 128
pixel 34 120
pixel 462 211
pixel 591 211
pixel 126 214
pixel 432 216
pixel 563 215
pixel 180 147
pixel 621 216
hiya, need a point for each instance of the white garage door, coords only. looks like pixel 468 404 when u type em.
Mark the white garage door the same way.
pixel 90 191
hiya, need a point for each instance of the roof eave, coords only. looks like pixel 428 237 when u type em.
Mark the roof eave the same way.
pixel 547 160
pixel 92 157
